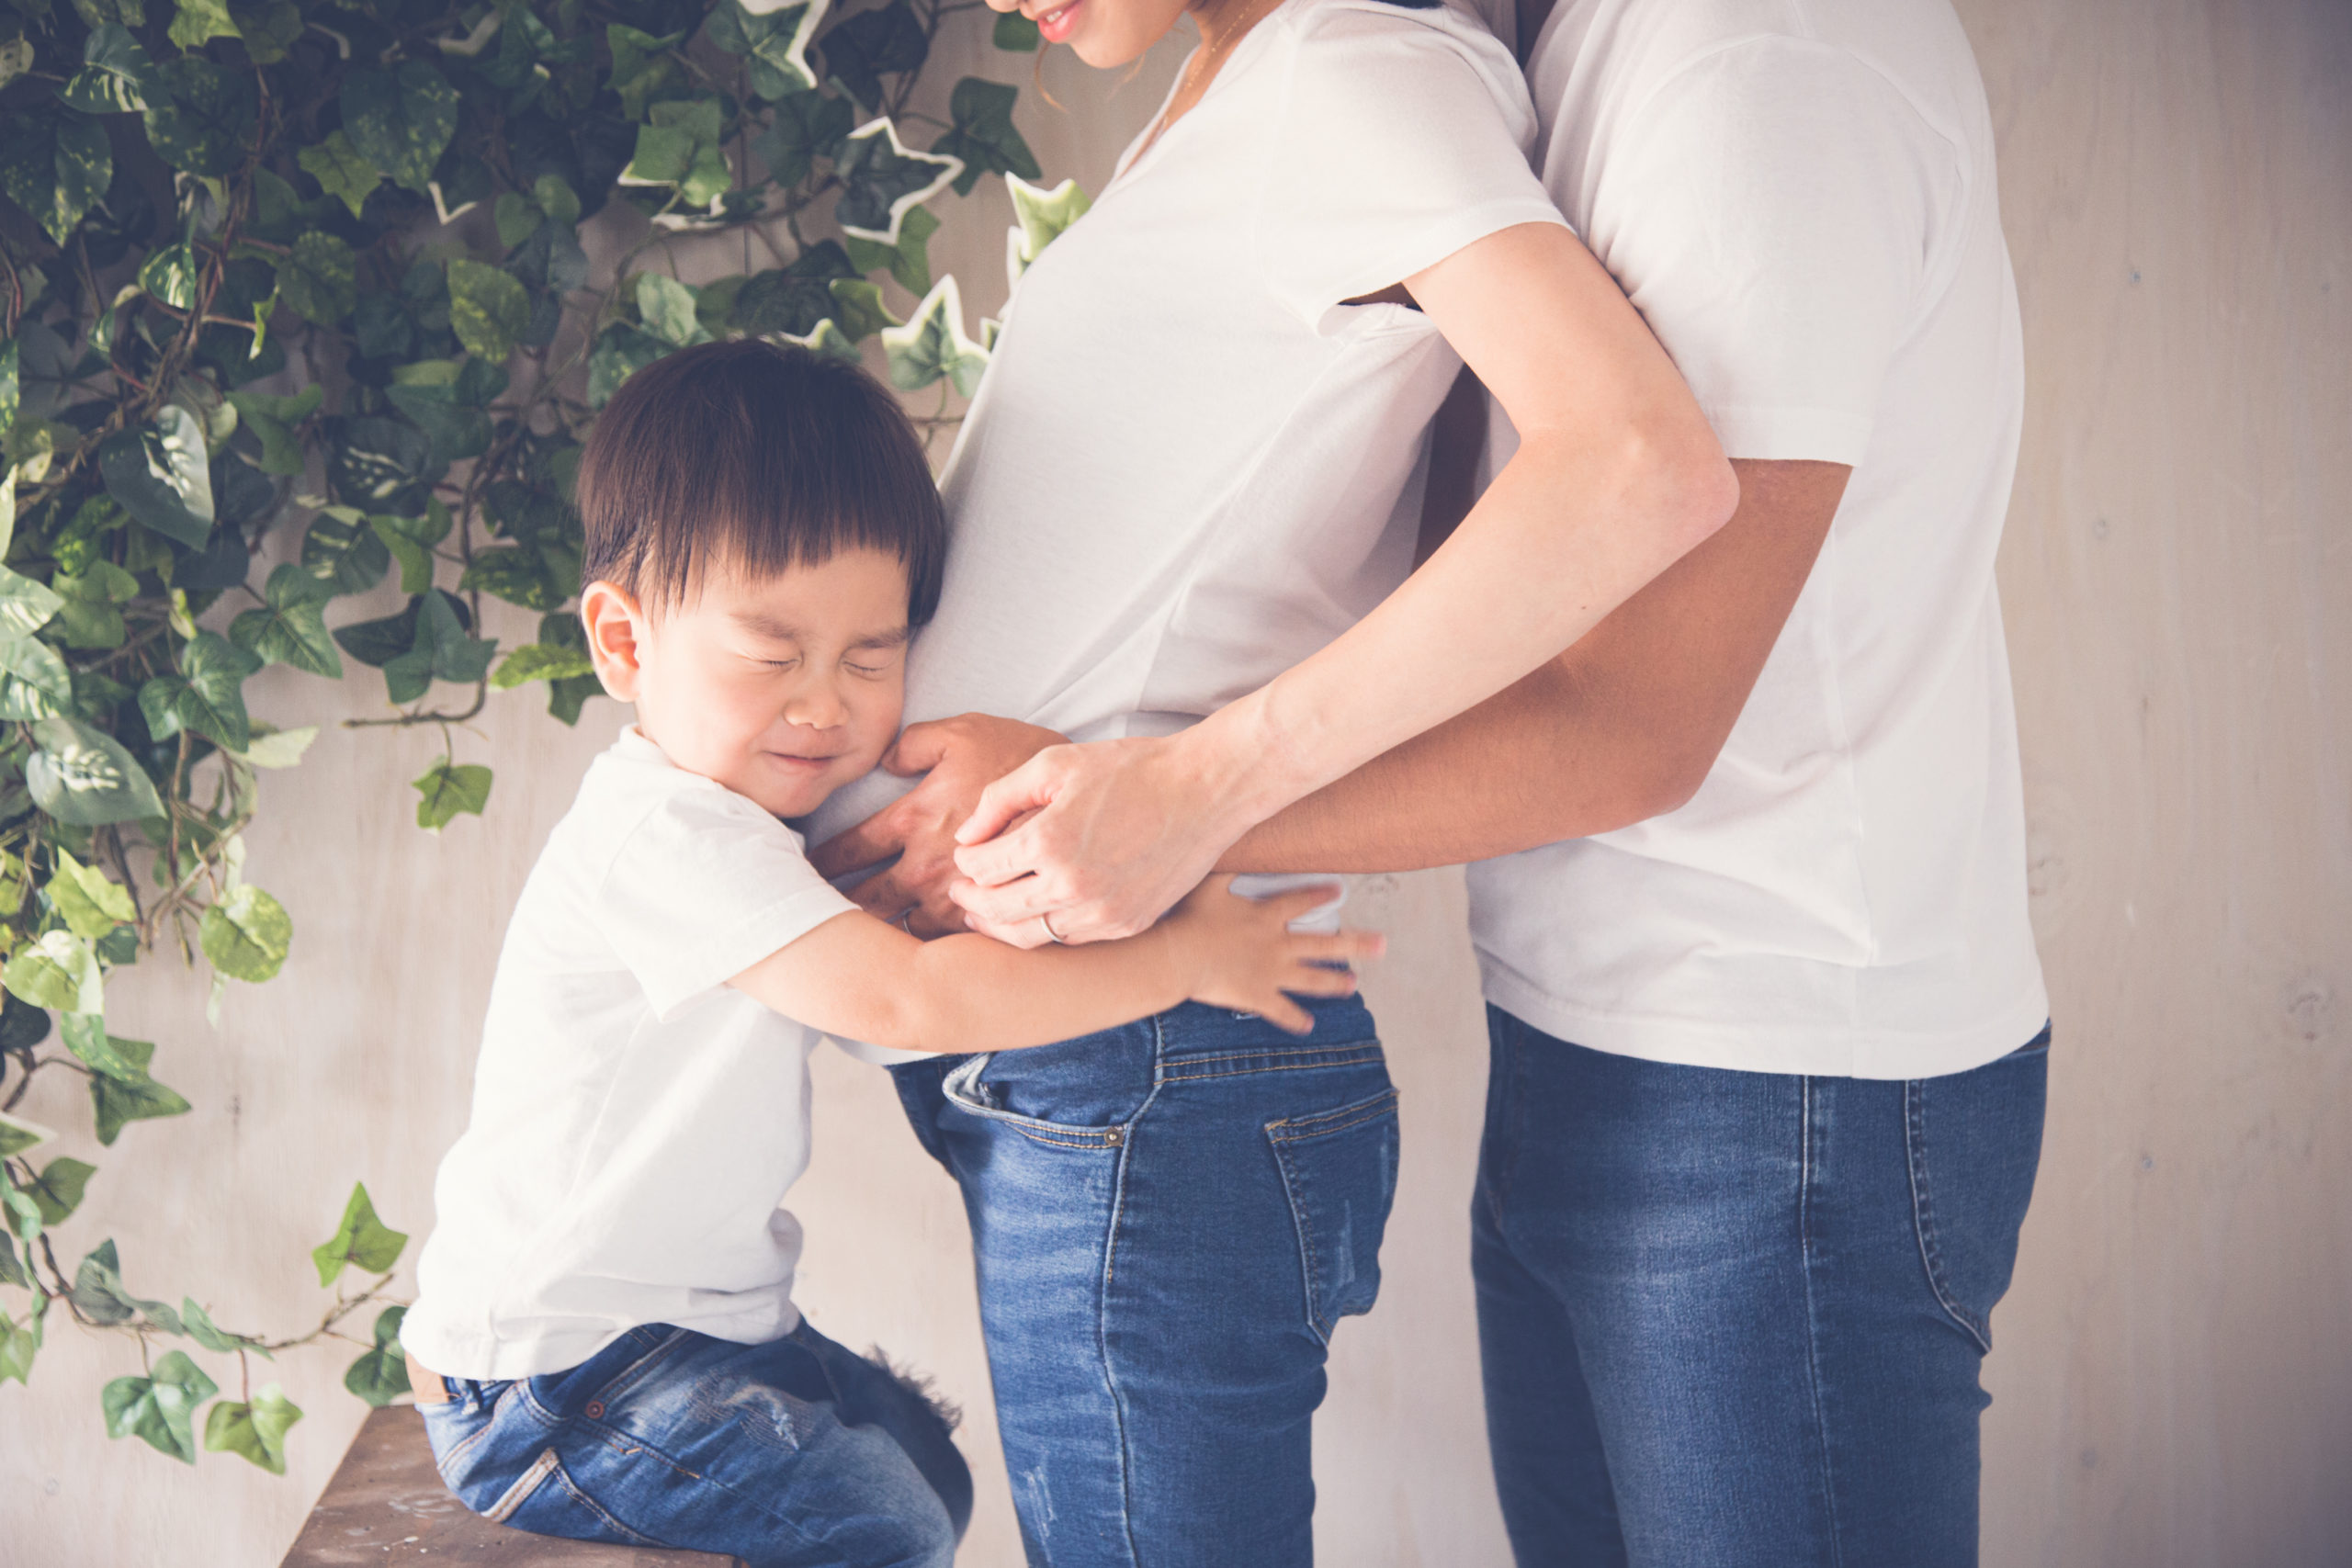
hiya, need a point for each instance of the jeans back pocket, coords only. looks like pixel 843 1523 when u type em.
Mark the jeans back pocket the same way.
pixel 1340 1171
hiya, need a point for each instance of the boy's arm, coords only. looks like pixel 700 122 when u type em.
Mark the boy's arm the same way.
pixel 857 977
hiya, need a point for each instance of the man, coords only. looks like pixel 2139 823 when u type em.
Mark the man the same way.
pixel 1769 1032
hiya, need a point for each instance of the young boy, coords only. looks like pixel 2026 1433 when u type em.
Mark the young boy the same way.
pixel 605 1345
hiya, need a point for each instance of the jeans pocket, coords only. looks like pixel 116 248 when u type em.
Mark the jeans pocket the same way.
pixel 964 1089
pixel 544 1500
pixel 1340 1171
pixel 1973 1139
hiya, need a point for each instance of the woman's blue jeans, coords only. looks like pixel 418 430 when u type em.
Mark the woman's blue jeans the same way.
pixel 1734 1320
pixel 792 1454
pixel 1168 1220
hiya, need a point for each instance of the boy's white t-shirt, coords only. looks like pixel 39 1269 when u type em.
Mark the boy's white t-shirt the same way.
pixel 1799 196
pixel 1182 473
pixel 636 1122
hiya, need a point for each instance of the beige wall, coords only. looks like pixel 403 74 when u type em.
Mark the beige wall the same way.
pixel 2173 1380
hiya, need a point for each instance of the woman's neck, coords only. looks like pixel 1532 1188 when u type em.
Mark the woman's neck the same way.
pixel 1222 23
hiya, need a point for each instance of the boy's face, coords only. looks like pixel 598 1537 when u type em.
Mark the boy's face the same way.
pixel 783 689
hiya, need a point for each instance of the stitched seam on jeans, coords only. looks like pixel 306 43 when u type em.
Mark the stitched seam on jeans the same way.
pixel 1103 1140
pixel 519 1490
pixel 1300 1131
pixel 627 1446
pixel 585 1501
pixel 1813 1321
pixel 1923 1214
pixel 458 1449
pixel 1284 1068
pixel 1102 1296
pixel 1276 1061
pixel 1306 1255
pixel 618 1386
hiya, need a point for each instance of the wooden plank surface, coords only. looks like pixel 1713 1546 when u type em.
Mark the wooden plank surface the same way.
pixel 386 1505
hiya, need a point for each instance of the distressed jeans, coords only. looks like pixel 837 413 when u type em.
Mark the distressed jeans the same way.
pixel 792 1454
pixel 1734 1320
pixel 1169 1220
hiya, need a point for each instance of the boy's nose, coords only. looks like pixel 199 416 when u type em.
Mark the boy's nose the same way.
pixel 816 706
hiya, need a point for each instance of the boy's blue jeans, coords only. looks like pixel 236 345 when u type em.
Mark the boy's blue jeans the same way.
pixel 1734 1320
pixel 792 1454
pixel 1168 1219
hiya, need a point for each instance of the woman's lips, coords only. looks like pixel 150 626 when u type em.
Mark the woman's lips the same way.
pixel 1055 25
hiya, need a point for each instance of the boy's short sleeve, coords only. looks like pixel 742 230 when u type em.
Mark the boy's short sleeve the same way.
pixel 1402 139
pixel 705 885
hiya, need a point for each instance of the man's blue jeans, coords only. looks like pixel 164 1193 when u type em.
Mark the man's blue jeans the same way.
pixel 792 1454
pixel 1734 1320
pixel 1168 1219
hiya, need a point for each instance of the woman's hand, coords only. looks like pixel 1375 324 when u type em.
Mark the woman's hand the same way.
pixel 1099 839
pixel 962 756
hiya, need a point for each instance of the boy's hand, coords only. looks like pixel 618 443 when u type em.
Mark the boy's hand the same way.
pixel 1239 953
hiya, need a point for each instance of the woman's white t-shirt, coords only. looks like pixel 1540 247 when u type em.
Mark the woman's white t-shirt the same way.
pixel 1798 196
pixel 636 1120
pixel 1183 472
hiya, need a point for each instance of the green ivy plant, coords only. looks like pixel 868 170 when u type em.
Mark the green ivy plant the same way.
pixel 319 265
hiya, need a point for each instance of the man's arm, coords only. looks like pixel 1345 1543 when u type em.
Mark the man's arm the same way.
pixel 1622 727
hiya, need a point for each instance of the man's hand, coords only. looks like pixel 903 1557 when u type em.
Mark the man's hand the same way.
pixel 963 756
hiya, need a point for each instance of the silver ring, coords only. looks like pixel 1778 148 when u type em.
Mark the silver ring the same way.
pixel 1046 922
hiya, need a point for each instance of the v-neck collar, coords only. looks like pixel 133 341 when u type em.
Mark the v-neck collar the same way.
pixel 1155 135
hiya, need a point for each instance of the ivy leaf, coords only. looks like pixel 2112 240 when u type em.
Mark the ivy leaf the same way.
pixel 18 1346
pixel 54 163
pixel 159 1407
pixel 642 67
pixel 26 605
pixel 411 540
pixel 320 277
pixel 983 136
pixel 272 420
pixel 567 696
pixel 1017 34
pixel 380 1375
pixel 680 147
pixel 774 41
pixel 443 649
pixel 269 30
pixel 361 1238
pixel 379 465
pixel 256 1430
pixel 668 308
pixel 542 662
pixel 806 128
pixel 932 344
pixel 488 308
pixel 291 626
pixel 863 49
pixel 58 970
pixel 448 788
pixel 58 1190
pixel 858 309
pixel 280 748
pixel 910 260
pixel 881 181
pixel 162 477
pixel 1043 214
pixel 200 21
pixel 205 1332
pixel 377 643
pixel 113 78
pixel 11 1273
pixel 85 1035
pixel 83 776
pixel 518 575
pixel 17 1135
pixel 621 351
pixel 114 1102
pixel 401 121
pixel 206 696
pixel 169 274
pixel 98 1293
pixel 344 553
pixel 90 904
pixel 246 934
pixel 340 172
pixel 34 682
pixel 200 116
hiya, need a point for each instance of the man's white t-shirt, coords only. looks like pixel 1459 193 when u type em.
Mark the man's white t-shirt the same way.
pixel 636 1122
pixel 1799 196
pixel 1182 473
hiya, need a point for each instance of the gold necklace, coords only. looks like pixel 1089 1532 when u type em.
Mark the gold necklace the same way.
pixel 1193 81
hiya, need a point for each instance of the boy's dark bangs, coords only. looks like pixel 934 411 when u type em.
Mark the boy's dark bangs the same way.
pixel 746 457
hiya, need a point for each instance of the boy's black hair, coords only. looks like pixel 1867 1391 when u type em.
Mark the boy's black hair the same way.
pixel 754 456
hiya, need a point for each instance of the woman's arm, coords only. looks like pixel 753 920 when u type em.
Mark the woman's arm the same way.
pixel 856 978
pixel 1617 475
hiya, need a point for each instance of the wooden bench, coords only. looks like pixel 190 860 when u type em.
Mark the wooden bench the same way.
pixel 386 1504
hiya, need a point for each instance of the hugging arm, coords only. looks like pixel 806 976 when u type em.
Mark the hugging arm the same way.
pixel 1617 476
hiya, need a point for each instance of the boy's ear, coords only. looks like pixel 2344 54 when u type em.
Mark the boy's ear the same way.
pixel 616 626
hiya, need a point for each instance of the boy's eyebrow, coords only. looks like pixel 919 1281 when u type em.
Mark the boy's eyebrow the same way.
pixel 896 636
pixel 765 624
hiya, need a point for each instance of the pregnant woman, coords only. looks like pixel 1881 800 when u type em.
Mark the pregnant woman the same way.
pixel 1184 511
